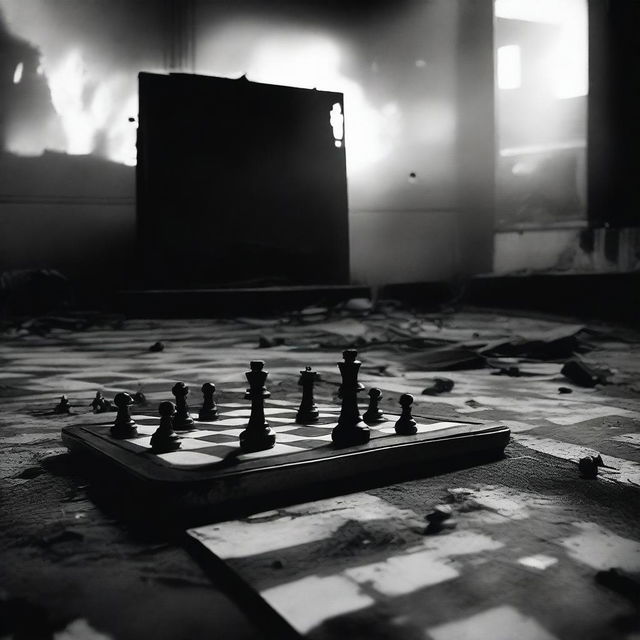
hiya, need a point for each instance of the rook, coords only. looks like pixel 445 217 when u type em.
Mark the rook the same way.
pixel 308 412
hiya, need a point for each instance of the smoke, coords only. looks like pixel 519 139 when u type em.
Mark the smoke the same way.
pixel 299 56
pixel 80 95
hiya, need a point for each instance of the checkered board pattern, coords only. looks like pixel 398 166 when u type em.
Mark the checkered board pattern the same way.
pixel 216 441
pixel 210 452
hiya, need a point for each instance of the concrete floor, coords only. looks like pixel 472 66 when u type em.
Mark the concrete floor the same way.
pixel 75 566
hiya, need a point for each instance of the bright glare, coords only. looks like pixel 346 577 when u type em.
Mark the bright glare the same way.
pixel 93 112
pixel 67 82
pixel 551 11
pixel 509 67
pixel 296 60
pixel 17 74
pixel 299 57
pixel 571 69
pixel 336 121
pixel 91 98
pixel 124 134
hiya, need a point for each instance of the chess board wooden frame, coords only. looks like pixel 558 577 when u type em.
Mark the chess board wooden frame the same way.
pixel 231 480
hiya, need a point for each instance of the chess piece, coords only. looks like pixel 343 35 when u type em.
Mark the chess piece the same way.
pixel 64 406
pixel 139 398
pixel 258 435
pixel 406 425
pixel 182 421
pixel 308 412
pixel 165 438
pixel 124 425
pixel 100 404
pixel 209 410
pixel 350 430
pixel 373 414
pixel 97 402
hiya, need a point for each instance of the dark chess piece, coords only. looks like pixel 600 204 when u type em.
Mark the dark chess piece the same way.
pixel 350 430
pixel 139 398
pixel 100 404
pixel 308 412
pixel 406 425
pixel 182 420
pixel 124 425
pixel 96 403
pixel 165 438
pixel 258 435
pixel 209 410
pixel 373 414
pixel 64 406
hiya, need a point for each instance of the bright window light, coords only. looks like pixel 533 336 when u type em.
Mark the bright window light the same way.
pixel 568 77
pixel 509 67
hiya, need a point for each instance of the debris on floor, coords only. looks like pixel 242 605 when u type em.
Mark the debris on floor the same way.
pixel 580 373
pixel 440 385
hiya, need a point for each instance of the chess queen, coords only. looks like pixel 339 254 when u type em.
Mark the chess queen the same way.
pixel 258 435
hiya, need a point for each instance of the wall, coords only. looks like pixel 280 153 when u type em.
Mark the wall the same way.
pixel 66 130
pixel 567 251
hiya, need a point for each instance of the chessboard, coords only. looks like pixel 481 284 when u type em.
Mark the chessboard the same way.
pixel 210 467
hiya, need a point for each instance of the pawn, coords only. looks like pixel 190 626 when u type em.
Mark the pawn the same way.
pixel 373 414
pixel 124 425
pixel 406 425
pixel 64 406
pixel 182 420
pixel 209 410
pixel 165 438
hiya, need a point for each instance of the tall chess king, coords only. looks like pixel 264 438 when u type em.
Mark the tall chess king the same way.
pixel 351 429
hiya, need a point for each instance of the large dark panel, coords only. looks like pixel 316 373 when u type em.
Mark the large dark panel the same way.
pixel 239 182
pixel 613 122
